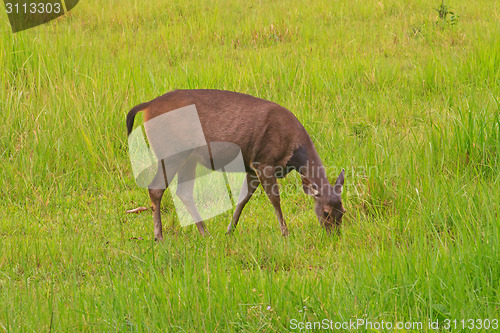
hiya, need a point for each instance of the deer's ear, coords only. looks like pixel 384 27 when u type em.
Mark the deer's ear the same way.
pixel 339 184
pixel 310 187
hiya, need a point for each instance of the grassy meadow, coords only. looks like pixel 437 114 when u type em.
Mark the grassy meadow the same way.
pixel 407 102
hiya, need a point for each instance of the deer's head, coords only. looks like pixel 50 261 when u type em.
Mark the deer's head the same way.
pixel 328 209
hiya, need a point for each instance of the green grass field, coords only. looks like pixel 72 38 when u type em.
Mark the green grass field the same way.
pixel 406 102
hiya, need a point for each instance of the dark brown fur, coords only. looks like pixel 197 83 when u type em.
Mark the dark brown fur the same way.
pixel 268 135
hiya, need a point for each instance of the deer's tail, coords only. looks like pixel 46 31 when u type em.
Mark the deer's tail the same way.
pixel 131 115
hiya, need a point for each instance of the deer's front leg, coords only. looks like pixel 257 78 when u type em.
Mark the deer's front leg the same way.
pixel 252 182
pixel 267 178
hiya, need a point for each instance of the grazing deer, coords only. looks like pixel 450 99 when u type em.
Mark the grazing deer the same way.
pixel 272 142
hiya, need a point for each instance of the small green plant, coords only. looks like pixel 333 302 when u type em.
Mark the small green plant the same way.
pixel 444 11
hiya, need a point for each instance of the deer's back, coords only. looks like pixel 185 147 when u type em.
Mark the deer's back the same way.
pixel 266 132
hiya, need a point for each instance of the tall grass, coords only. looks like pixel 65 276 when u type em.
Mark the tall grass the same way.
pixel 408 106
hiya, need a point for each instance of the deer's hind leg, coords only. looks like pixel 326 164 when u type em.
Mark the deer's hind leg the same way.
pixel 186 178
pixel 156 189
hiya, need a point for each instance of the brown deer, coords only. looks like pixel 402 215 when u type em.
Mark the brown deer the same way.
pixel 272 142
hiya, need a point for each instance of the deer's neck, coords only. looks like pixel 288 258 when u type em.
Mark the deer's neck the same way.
pixel 307 162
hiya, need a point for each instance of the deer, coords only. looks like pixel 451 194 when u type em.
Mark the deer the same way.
pixel 272 142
